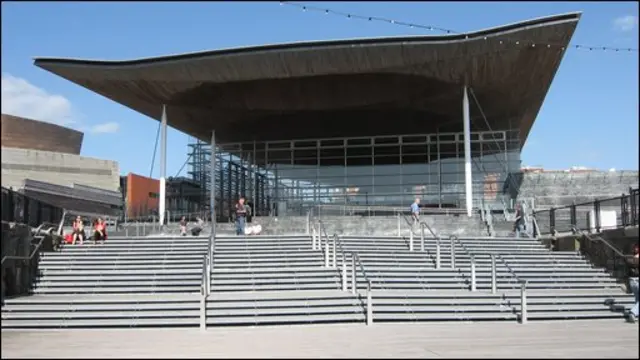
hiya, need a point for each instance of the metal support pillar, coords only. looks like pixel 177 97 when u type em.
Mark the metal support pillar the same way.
pixel 466 125
pixel 212 195
pixel 163 165
pixel 254 167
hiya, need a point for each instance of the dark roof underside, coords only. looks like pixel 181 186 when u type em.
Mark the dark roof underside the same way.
pixel 340 88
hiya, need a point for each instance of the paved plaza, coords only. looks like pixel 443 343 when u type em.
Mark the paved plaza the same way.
pixel 574 339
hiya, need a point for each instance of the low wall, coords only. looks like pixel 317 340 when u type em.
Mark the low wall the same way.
pixel 559 188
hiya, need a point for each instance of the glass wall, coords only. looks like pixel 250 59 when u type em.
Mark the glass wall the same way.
pixel 390 170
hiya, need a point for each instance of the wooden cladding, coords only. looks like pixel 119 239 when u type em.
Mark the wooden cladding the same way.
pixel 30 134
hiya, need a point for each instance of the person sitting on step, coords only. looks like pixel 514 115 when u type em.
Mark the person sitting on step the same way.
pixel 78 230
pixel 196 230
pixel 183 226
pixel 99 231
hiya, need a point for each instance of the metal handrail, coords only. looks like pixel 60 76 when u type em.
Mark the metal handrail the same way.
pixel 25 259
pixel 536 228
pixel 594 238
pixel 205 289
pixel 321 231
pixel 472 258
pixel 354 284
pixel 33 252
pixel 422 225
pixel 523 286
pixel 506 264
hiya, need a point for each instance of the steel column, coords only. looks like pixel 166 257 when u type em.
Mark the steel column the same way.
pixel 163 165
pixel 466 124
pixel 212 194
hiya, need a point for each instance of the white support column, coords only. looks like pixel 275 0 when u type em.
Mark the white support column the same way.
pixel 163 165
pixel 466 122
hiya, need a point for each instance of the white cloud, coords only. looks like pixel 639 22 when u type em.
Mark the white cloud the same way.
pixel 21 98
pixel 106 128
pixel 625 23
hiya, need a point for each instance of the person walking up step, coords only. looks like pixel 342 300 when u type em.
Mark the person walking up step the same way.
pixel 415 211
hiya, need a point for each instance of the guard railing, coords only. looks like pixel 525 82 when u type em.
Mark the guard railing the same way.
pixel 522 282
pixel 41 233
pixel 355 262
pixel 610 257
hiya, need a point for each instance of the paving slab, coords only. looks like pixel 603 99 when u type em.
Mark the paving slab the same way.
pixel 570 339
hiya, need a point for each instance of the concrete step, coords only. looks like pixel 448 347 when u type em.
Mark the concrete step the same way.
pixel 120 262
pixel 119 266
pixel 117 290
pixel 89 273
pixel 302 281
pixel 275 287
pixel 100 323
pixel 117 277
pixel 100 315
pixel 286 319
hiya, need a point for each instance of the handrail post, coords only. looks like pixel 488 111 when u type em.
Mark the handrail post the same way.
pixel 398 223
pixel 208 276
pixel 473 273
pixel 334 253
pixel 326 251
pixel 353 274
pixel 438 253
pixel 421 238
pixel 344 273
pixel 204 291
pixel 494 285
pixel 453 253
pixel 523 302
pixel 203 312
pixel 308 222
pixel 369 304
pixel 313 238
pixel 411 240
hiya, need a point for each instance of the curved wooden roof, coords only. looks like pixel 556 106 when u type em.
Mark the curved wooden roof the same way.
pixel 23 133
pixel 360 87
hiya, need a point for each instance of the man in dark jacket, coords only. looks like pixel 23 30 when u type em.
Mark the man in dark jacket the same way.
pixel 241 216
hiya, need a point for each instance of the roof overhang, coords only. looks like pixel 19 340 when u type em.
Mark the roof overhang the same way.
pixel 340 88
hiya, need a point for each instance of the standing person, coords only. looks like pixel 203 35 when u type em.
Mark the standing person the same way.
pixel 415 211
pixel 183 226
pixel 632 315
pixel 518 225
pixel 241 215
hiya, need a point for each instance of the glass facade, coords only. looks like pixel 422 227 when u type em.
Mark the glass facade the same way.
pixel 390 171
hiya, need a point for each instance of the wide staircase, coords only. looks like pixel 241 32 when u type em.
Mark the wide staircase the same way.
pixel 302 279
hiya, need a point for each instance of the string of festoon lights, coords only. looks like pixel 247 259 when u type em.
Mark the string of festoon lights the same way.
pixel 504 41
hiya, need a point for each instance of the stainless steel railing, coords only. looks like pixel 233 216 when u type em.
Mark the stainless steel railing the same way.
pixel 205 290
pixel 355 261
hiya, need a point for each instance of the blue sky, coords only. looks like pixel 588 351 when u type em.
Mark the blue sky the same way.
pixel 590 115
